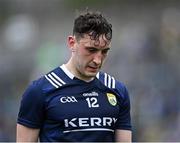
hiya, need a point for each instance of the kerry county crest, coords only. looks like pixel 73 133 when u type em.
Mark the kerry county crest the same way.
pixel 112 99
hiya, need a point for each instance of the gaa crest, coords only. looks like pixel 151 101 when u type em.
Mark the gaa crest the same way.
pixel 112 99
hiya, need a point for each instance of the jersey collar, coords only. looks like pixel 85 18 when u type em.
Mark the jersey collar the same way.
pixel 69 74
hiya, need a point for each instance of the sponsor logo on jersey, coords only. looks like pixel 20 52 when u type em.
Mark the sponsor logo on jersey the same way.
pixel 90 94
pixel 112 99
pixel 68 99
pixel 90 122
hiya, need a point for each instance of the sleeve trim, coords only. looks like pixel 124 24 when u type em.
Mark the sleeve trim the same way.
pixel 27 123
pixel 124 128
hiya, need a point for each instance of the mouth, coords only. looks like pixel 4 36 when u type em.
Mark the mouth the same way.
pixel 93 69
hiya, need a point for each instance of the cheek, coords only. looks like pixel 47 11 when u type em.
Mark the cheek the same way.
pixel 81 60
pixel 85 57
pixel 104 58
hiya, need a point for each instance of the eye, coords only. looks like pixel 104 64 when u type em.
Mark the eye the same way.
pixel 105 51
pixel 92 50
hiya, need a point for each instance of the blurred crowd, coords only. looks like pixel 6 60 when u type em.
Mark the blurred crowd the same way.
pixel 144 55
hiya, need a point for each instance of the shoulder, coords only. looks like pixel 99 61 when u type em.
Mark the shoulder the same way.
pixel 46 83
pixel 113 84
pixel 56 78
pixel 34 89
pixel 52 80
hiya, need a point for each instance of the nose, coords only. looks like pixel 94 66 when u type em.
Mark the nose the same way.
pixel 98 58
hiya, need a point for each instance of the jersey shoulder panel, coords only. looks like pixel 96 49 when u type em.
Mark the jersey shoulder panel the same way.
pixel 55 79
pixel 106 79
pixel 36 86
pixel 113 84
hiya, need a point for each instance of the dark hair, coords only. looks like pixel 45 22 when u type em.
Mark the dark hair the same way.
pixel 92 23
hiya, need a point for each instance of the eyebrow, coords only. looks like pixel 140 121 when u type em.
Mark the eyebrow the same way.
pixel 88 47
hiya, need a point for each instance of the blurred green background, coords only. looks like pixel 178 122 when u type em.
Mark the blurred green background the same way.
pixel 145 55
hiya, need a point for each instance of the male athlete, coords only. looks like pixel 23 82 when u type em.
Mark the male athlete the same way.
pixel 76 102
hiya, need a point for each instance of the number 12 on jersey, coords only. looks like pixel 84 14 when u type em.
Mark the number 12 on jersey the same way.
pixel 92 102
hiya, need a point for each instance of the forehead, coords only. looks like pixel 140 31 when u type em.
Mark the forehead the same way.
pixel 100 42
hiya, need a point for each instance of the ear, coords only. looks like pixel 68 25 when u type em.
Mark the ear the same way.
pixel 71 42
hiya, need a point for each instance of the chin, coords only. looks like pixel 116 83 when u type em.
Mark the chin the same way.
pixel 91 74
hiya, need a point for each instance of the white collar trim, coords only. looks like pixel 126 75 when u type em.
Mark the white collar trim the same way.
pixel 67 72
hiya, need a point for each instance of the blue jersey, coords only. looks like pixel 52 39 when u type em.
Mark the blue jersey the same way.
pixel 66 108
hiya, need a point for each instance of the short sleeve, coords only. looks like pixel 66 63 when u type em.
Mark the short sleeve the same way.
pixel 124 119
pixel 31 112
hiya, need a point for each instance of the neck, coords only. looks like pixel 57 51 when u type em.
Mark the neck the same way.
pixel 71 67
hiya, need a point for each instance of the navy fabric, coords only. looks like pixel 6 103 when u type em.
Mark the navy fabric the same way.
pixel 66 109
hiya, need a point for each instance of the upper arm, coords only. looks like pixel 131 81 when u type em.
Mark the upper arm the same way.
pixel 123 136
pixel 26 134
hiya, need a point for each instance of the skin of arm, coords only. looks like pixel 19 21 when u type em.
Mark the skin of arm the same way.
pixel 123 136
pixel 26 134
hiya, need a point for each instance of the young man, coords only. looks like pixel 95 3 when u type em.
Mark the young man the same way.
pixel 76 102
